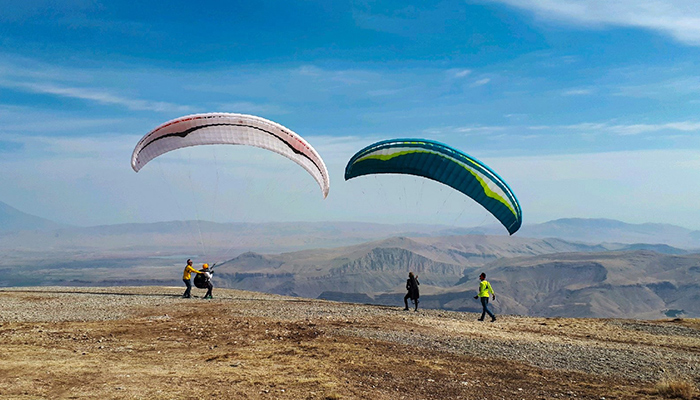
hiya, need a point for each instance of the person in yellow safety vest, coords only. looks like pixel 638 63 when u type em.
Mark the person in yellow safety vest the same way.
pixel 186 276
pixel 484 290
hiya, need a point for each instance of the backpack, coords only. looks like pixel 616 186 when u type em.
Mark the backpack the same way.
pixel 200 281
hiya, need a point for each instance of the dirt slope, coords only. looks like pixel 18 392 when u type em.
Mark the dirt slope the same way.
pixel 148 343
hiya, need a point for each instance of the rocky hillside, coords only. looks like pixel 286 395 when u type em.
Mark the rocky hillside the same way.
pixel 532 277
pixel 379 266
pixel 640 284
pixel 545 277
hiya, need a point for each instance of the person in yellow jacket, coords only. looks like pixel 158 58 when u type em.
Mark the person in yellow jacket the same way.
pixel 484 290
pixel 186 276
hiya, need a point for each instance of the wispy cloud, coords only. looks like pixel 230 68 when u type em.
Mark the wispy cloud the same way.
pixel 679 19
pixel 44 124
pixel 461 73
pixel 91 85
pixel 480 129
pixel 95 95
pixel 30 121
pixel 310 70
pixel 565 139
pixel 685 85
pixel 482 82
pixel 636 129
pixel 96 146
pixel 578 92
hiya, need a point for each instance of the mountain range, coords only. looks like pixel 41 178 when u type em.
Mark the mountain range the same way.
pixel 22 230
pixel 567 267
pixel 544 277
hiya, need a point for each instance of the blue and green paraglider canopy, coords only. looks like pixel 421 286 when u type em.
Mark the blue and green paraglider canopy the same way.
pixel 444 164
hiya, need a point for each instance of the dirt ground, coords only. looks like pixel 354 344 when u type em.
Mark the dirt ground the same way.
pixel 148 343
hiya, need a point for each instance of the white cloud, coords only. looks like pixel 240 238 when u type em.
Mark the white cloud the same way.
pixel 585 130
pixel 482 82
pixel 309 70
pixel 107 146
pixel 27 121
pixel 91 85
pixel 685 126
pixel 686 85
pixel 461 73
pixel 480 129
pixel 578 92
pixel 95 95
pixel 41 124
pixel 588 126
pixel 471 130
pixel 679 19
pixel 636 129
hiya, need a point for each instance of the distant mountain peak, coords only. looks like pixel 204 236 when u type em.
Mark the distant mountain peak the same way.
pixel 12 219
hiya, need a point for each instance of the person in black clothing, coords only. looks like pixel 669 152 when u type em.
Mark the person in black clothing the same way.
pixel 207 280
pixel 203 280
pixel 413 293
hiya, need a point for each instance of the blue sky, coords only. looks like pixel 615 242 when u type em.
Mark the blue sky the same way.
pixel 586 108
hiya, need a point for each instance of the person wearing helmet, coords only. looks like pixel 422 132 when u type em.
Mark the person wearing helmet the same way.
pixel 207 280
pixel 186 276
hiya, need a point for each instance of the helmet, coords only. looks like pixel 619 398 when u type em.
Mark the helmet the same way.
pixel 205 266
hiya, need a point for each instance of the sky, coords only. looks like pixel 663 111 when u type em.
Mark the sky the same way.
pixel 587 109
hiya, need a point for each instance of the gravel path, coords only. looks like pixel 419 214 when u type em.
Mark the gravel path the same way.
pixel 643 350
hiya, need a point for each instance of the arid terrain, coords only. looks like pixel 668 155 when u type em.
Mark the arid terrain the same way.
pixel 149 343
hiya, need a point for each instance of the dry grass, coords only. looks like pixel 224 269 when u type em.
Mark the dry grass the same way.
pixel 689 322
pixel 677 388
pixel 237 347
